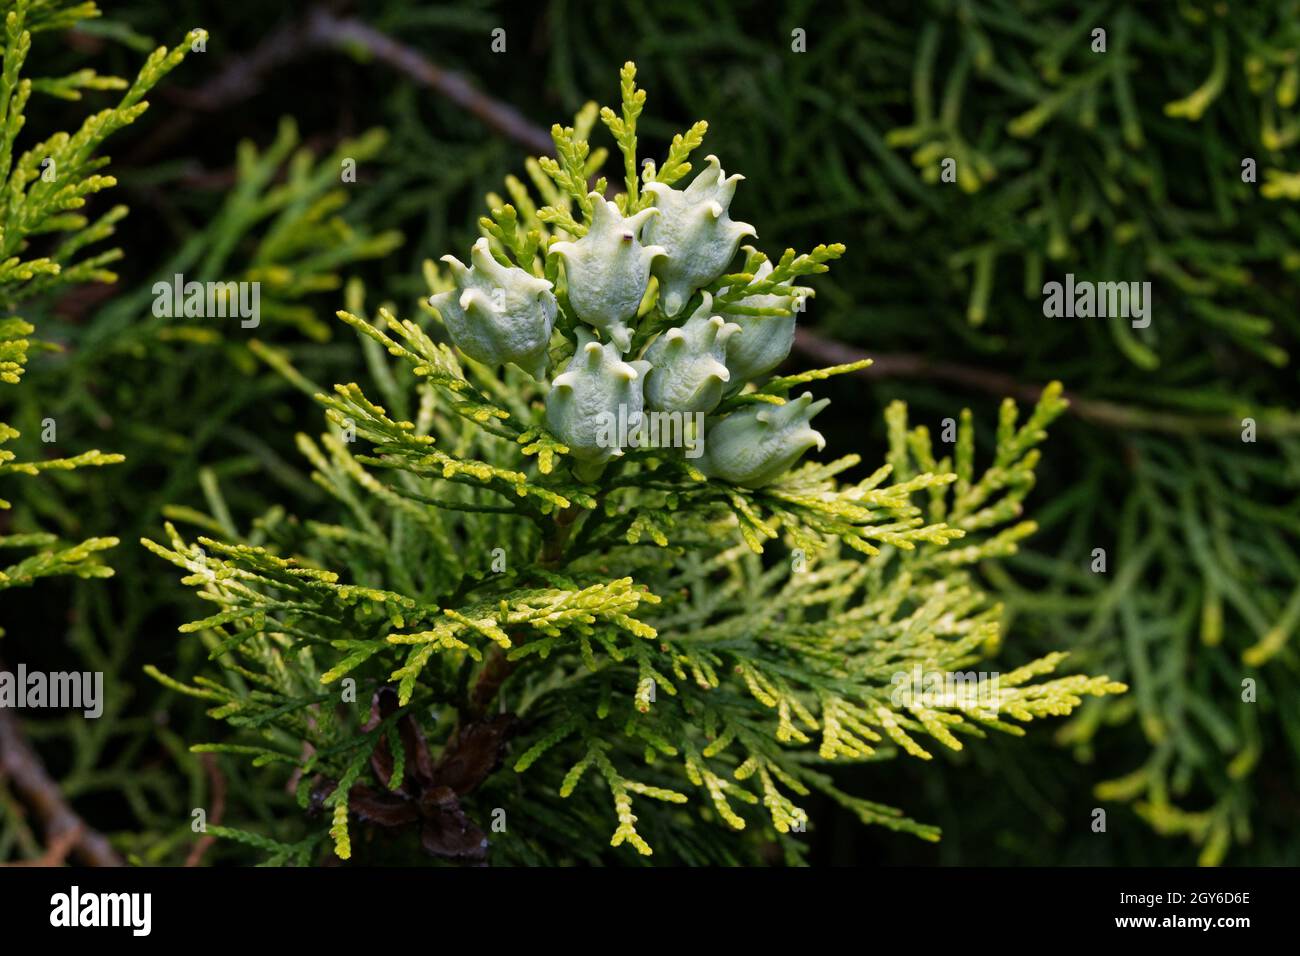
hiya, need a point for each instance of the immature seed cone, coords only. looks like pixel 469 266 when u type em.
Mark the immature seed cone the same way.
pixel 608 270
pixel 696 232
pixel 498 314
pixel 764 340
pixel 756 445
pixel 687 373
pixel 596 391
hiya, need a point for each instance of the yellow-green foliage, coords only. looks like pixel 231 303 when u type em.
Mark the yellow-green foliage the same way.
pixel 44 187
pixel 682 658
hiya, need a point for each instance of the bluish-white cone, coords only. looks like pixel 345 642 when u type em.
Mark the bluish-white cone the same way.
pixel 498 314
pixel 764 341
pixel 608 270
pixel 697 233
pixel 687 364
pixel 592 399
pixel 758 444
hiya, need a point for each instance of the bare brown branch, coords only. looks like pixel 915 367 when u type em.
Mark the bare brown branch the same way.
pixel 217 780
pixel 1108 414
pixel 244 77
pixel 20 764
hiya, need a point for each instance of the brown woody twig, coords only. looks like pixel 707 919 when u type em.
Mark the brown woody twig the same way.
pixel 218 781
pixel 33 784
pixel 243 77
pixel 886 365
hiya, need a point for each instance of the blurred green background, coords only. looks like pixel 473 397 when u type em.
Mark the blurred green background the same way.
pixel 1123 163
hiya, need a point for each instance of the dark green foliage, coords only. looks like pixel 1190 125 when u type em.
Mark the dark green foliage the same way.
pixel 625 626
pixel 1122 165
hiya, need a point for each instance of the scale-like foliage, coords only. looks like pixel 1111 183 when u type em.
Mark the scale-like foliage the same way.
pixel 284 223
pixel 42 189
pixel 603 631
pixel 1151 142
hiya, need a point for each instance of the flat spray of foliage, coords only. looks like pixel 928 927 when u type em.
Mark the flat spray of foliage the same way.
pixel 1160 148
pixel 1115 158
pixel 43 238
pixel 121 368
pixel 512 639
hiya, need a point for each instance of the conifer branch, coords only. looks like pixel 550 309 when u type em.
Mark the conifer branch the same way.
pixel 607 597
